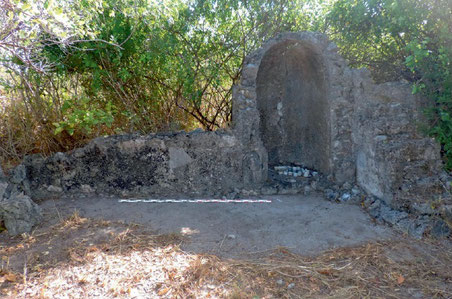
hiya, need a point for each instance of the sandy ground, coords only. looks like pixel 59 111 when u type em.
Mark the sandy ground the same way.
pixel 304 224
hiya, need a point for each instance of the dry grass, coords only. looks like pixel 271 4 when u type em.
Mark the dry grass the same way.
pixel 377 270
pixel 88 258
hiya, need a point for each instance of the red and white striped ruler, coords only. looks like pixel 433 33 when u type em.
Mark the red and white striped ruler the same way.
pixel 133 200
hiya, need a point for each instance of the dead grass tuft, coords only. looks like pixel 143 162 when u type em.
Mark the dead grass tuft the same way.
pixel 74 220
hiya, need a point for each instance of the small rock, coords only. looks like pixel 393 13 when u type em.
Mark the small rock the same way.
pixel 391 216
pixel 404 224
pixel 286 190
pixel 440 229
pixel 232 237
pixel 446 214
pixel 330 194
pixel 424 209
pixel 59 157
pixel 249 193
pixel 346 186
pixel 314 185
pixel 345 197
pixel 79 153
pixel 375 209
pixel 85 188
pixel 232 195
pixel 417 228
pixel 19 214
pixel 3 186
pixel 291 286
pixel 355 191
pixel 280 282
pixel 55 189
pixel 269 190
pixel 380 138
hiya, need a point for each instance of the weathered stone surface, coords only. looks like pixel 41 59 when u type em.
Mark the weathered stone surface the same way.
pixel 394 161
pixel 392 216
pixel 3 184
pixel 19 174
pixel 19 214
pixel 440 229
pixel 196 163
pixel 293 106
pixel 178 157
pixel 17 211
pixel 446 214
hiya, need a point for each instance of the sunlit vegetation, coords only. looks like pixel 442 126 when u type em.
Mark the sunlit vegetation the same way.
pixel 74 70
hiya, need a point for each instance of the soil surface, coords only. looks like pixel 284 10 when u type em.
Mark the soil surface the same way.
pixel 294 247
pixel 303 224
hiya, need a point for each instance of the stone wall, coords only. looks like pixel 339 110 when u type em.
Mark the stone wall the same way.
pixel 395 161
pixel 170 165
pixel 310 109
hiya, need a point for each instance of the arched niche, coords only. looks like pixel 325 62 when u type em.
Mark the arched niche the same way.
pixel 292 103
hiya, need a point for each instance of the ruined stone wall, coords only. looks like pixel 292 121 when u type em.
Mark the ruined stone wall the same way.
pixel 395 161
pixel 170 165
pixel 297 104
pixel 310 109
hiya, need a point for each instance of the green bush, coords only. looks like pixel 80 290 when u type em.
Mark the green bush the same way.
pixel 74 70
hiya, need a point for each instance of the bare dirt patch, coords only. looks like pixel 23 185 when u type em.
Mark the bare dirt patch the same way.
pixel 306 224
pixel 87 258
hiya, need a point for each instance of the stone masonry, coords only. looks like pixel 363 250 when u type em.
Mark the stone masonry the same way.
pixel 299 97
pixel 167 165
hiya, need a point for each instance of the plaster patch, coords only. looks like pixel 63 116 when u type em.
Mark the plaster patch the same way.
pixel 178 157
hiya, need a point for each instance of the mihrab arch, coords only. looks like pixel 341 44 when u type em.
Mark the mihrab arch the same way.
pixel 291 99
pixel 295 86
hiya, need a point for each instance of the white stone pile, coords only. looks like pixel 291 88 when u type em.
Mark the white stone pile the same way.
pixel 295 171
